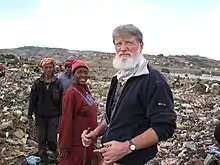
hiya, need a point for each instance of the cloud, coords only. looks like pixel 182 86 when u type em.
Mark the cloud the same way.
pixel 83 24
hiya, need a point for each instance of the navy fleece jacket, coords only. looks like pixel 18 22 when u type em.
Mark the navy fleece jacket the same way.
pixel 146 102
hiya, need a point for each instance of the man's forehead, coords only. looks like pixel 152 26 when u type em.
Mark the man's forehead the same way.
pixel 48 65
pixel 125 38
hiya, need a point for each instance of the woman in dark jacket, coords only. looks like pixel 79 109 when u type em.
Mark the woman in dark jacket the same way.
pixel 79 112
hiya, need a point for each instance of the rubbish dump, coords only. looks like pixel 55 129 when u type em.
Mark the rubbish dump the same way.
pixel 197 104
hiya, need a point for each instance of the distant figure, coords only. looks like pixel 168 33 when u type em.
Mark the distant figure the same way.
pixel 45 102
pixel 217 133
pixel 139 108
pixel 67 77
pixel 79 112
pixel 2 71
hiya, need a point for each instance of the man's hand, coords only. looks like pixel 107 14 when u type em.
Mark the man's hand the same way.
pixel 114 151
pixel 88 137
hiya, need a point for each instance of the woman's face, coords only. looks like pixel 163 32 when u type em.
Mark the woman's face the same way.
pixel 81 75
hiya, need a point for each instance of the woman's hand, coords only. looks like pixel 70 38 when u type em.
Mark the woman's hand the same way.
pixel 64 154
pixel 88 136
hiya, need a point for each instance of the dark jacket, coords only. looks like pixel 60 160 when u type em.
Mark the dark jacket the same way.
pixel 46 102
pixel 146 102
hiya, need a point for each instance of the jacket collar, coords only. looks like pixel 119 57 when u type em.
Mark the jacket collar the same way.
pixel 52 80
pixel 140 69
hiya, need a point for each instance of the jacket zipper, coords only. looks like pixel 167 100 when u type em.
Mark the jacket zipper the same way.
pixel 108 126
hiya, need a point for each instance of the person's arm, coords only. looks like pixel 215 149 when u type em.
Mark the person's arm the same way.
pixel 101 128
pixel 32 100
pixel 61 96
pixel 161 115
pixel 66 124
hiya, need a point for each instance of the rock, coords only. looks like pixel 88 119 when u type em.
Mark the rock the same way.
pixel 186 106
pixel 218 103
pixel 215 88
pixel 17 113
pixel 195 162
pixel 169 161
pixel 191 145
pixel 32 143
pixel 19 134
pixel 24 119
pixel 152 162
pixel 166 144
pixel 209 158
pixel 12 142
pixel 6 125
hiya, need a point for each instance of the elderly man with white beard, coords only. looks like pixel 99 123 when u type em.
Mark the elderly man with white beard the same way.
pixel 139 107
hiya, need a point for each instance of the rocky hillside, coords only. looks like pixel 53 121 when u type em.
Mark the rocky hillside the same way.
pixel 176 63
pixel 39 52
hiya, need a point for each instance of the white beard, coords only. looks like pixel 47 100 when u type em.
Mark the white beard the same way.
pixel 126 64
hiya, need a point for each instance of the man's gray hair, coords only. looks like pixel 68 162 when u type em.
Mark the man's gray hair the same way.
pixel 128 30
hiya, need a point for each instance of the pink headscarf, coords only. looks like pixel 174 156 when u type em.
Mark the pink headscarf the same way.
pixel 68 62
pixel 78 63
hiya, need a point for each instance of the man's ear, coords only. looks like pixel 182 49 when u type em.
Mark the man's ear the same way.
pixel 142 46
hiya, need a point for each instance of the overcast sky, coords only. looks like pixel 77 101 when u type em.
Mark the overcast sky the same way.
pixel 169 26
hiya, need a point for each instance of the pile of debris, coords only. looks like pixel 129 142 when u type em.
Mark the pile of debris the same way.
pixel 196 103
pixel 15 133
pixel 198 112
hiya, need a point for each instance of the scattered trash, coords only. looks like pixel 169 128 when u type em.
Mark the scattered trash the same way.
pixel 210 160
pixel 214 150
pixel 197 105
pixel 33 160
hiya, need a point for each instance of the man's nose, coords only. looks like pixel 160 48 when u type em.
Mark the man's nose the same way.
pixel 123 47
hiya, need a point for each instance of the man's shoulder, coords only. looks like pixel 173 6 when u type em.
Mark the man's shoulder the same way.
pixel 155 74
pixel 60 76
pixel 153 70
pixel 58 81
pixel 36 81
pixel 36 84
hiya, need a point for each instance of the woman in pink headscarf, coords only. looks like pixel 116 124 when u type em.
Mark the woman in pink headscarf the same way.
pixel 79 112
